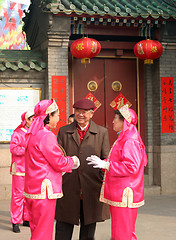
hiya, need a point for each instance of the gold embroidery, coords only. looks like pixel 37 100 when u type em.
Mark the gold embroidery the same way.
pixel 53 107
pixel 62 150
pixel 125 113
pixel 24 130
pixel 127 199
pixel 14 172
pixel 107 166
pixel 18 174
pixel 14 168
pixel 46 188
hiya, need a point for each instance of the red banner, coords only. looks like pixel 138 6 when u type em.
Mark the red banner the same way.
pixel 59 90
pixel 91 97
pixel 119 102
pixel 167 104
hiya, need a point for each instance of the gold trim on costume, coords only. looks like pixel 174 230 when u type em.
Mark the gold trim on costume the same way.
pixel 24 130
pixel 14 172
pixel 62 150
pixel 53 107
pixel 46 188
pixel 18 174
pixel 127 199
pixel 125 113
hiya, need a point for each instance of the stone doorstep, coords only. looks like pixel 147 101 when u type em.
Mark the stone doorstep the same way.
pixel 146 179
pixel 152 190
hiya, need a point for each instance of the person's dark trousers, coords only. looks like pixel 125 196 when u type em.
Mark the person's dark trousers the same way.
pixel 87 232
pixel 64 231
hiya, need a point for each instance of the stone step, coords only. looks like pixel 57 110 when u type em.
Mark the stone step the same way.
pixel 152 190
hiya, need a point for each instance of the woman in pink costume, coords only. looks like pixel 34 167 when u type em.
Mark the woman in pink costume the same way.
pixel 17 170
pixel 123 185
pixel 45 163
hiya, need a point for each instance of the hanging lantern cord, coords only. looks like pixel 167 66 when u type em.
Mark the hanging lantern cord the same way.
pixel 149 31
pixel 83 29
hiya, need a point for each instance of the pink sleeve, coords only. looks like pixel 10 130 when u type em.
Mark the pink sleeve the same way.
pixel 17 145
pixel 130 161
pixel 50 149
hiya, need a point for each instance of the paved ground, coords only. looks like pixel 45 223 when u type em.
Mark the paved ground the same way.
pixel 156 221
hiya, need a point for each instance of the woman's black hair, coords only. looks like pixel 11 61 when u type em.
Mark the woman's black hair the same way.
pixel 29 118
pixel 120 115
pixel 72 115
pixel 46 120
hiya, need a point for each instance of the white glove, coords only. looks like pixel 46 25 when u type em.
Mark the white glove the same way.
pixel 97 162
pixel 76 162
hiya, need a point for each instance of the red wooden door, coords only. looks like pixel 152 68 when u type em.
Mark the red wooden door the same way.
pixel 123 71
pixel 104 72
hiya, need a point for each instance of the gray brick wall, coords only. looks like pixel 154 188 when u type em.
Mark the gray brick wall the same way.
pixel 165 66
pixel 156 141
pixel 148 85
pixel 57 64
pixel 168 69
pixel 55 51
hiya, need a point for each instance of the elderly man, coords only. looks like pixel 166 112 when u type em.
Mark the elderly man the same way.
pixel 81 188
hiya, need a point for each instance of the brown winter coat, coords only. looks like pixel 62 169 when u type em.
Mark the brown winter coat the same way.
pixel 85 179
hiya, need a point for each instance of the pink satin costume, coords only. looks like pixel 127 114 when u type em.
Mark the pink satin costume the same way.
pixel 123 185
pixel 17 170
pixel 45 163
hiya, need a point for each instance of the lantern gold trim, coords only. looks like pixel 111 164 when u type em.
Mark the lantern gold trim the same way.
pixel 148 61
pixel 85 60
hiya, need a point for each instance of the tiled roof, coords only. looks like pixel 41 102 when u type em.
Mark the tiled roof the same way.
pixel 21 59
pixel 114 8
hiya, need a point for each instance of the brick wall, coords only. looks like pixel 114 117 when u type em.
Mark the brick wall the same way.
pixel 168 69
pixel 55 50
pixel 161 147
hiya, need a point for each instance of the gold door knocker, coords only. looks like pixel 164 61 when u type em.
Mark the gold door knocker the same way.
pixel 116 86
pixel 92 86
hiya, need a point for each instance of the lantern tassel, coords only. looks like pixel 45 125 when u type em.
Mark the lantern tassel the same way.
pixel 148 61
pixel 85 60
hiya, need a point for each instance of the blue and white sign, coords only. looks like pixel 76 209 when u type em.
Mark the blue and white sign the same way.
pixel 14 102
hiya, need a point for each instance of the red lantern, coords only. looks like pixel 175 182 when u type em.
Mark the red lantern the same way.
pixel 148 50
pixel 85 48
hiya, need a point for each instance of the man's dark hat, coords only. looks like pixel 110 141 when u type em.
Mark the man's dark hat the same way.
pixel 84 104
